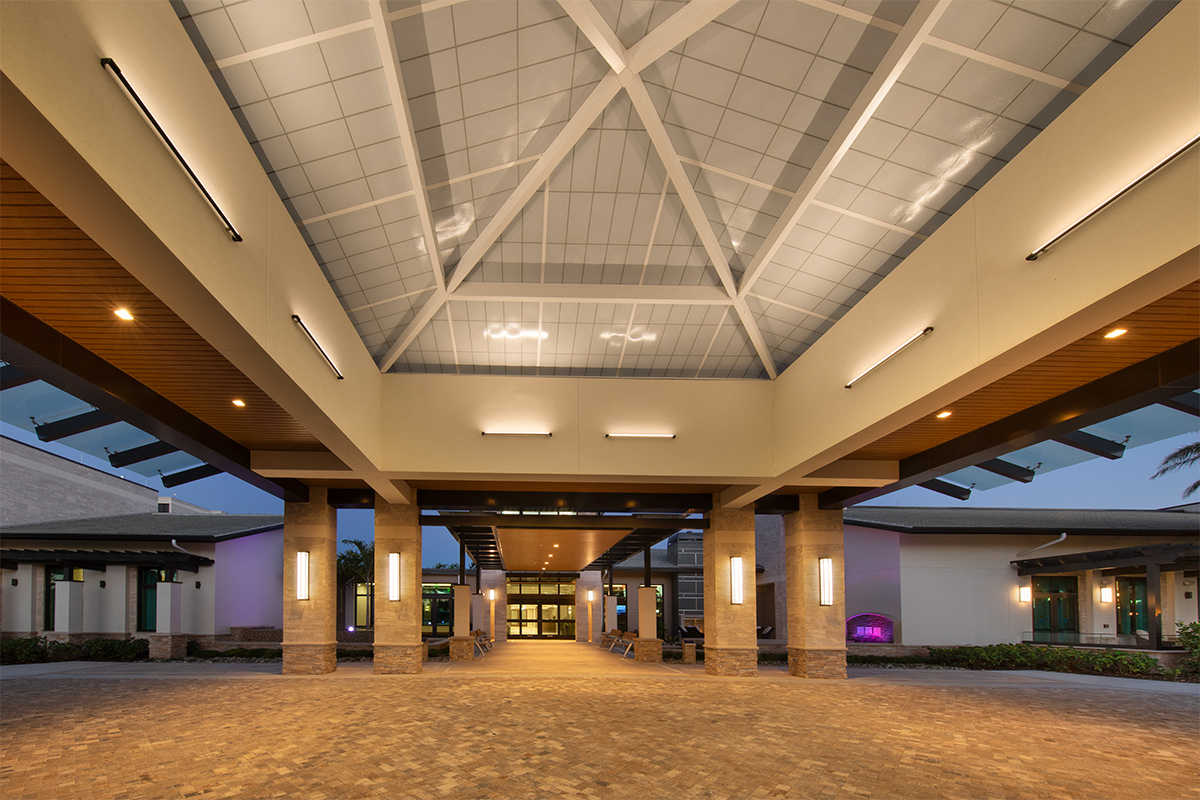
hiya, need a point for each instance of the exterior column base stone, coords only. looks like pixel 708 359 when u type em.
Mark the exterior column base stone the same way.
pixel 462 648
pixel 810 663
pixel 731 662
pixel 399 659
pixel 67 638
pixel 167 645
pixel 689 652
pixel 309 659
pixel 648 650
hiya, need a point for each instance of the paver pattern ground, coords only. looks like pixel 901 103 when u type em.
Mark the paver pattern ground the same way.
pixel 150 731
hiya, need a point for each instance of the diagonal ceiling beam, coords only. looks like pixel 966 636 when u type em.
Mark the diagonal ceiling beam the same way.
pixel 675 29
pixel 432 306
pixel 385 40
pixel 924 17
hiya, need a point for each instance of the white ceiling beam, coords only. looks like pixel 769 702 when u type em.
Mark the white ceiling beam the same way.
pixel 675 29
pixel 562 145
pixel 1009 66
pixel 414 328
pixel 585 16
pixel 850 13
pixel 385 40
pixel 592 293
pixel 691 205
pixel 916 31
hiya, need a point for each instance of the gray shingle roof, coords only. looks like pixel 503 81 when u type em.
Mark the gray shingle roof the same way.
pixel 1023 520
pixel 149 527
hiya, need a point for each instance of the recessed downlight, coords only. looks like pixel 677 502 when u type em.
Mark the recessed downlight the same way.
pixel 556 545
pixel 1115 332
pixel 944 414
pixel 124 314
pixel 240 403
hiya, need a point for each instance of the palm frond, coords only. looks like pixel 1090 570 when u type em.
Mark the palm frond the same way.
pixel 1182 458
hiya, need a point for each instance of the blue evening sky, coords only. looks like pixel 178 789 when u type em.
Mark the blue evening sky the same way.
pixel 1099 483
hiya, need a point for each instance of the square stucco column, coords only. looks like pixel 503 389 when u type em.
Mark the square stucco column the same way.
pixel 397 622
pixel 309 626
pixel 462 644
pixel 68 608
pixel 168 640
pixel 730 630
pixel 816 633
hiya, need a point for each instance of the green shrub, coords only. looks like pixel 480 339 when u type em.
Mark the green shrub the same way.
pixel 772 658
pixel 30 650
pixel 63 651
pixel 1049 659
pixel 251 652
pixel 854 659
pixel 1189 637
pixel 353 652
pixel 116 650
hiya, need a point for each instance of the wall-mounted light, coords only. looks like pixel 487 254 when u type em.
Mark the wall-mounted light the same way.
pixel 296 319
pixel 116 71
pixel 890 355
pixel 516 433
pixel 393 576
pixel 591 595
pixel 124 314
pixel 302 575
pixel 1036 254
pixel 492 595
pixel 825 571
pixel 736 592
pixel 1106 594
pixel 639 436
pixel 1025 594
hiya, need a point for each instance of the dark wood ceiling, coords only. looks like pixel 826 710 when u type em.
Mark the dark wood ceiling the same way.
pixel 53 270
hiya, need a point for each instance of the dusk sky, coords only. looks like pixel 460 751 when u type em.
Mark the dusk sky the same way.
pixel 1099 483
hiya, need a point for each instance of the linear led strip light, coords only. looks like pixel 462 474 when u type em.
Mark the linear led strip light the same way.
pixel 116 71
pixel 516 433
pixel 890 355
pixel 1036 254
pixel 296 319
pixel 639 436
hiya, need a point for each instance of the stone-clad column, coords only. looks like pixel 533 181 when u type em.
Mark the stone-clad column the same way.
pixel 397 622
pixel 730 631
pixel 816 633
pixel 309 626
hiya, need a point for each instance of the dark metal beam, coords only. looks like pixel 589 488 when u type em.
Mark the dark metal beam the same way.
pixel 947 488
pixel 630 502
pixel 71 426
pixel 351 498
pixel 42 351
pixel 11 377
pixel 1007 469
pixel 136 455
pixel 1095 445
pixel 1154 606
pixel 1160 377
pixel 1187 403
pixel 646 567
pixel 557 522
pixel 189 475
pixel 777 504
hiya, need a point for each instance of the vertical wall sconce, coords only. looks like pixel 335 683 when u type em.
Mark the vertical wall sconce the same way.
pixel 1025 594
pixel 591 595
pixel 736 591
pixel 302 575
pixel 825 569
pixel 393 576
pixel 492 595
pixel 1106 594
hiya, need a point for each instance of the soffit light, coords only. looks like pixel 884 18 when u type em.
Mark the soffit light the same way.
pixel 124 314
pixel 296 319
pixel 1115 332
pixel 116 71
pixel 1036 254
pixel 639 436
pixel 890 355
pixel 944 414
pixel 514 331
pixel 240 403
pixel 516 433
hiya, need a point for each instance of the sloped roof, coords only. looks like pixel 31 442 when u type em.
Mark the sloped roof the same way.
pixel 150 527
pixel 1023 520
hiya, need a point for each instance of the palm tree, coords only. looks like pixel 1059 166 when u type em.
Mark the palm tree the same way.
pixel 354 566
pixel 1186 456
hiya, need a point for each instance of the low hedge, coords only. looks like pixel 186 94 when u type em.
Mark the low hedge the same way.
pixel 39 649
pixel 1049 659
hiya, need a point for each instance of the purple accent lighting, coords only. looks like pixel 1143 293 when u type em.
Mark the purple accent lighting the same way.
pixel 869 628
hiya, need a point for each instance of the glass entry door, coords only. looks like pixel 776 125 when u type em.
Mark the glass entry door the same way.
pixel 1131 606
pixel 541 608
pixel 1056 609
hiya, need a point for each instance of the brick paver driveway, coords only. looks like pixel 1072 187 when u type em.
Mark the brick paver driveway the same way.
pixel 145 731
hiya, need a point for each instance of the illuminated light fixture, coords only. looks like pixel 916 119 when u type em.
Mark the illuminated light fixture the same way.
pixel 644 336
pixel 492 595
pixel 517 433
pixel 556 545
pixel 240 403
pixel 591 595
pixel 825 571
pixel 1036 254
pixel 736 593
pixel 513 331
pixel 1025 594
pixel 116 71
pixel 124 314
pixel 393 576
pixel 944 414
pixel 302 575
pixel 1115 332
pixel 296 319
pixel 1106 594
pixel 639 436
pixel 890 355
